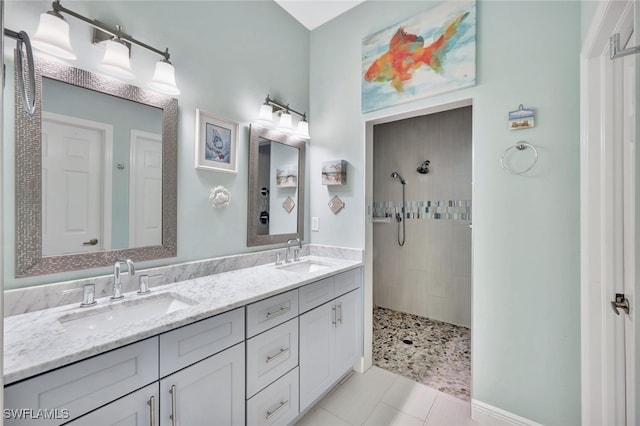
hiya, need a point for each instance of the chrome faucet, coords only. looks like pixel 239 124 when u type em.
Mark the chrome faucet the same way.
pixel 287 256
pixel 117 282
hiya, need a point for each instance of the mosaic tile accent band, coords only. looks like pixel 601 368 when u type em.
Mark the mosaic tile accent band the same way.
pixel 438 209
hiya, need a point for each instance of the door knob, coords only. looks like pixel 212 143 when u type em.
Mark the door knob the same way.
pixel 620 302
pixel 91 242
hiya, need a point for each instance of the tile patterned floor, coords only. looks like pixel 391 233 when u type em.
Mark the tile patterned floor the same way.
pixel 434 353
pixel 379 397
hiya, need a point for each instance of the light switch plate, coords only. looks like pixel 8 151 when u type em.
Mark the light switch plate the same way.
pixel 315 225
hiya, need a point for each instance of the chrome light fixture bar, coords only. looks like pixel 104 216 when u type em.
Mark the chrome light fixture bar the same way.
pixel 270 106
pixel 114 61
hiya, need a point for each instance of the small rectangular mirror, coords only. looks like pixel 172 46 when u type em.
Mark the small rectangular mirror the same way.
pixel 276 187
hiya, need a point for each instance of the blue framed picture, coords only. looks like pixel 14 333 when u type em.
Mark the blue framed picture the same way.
pixel 215 144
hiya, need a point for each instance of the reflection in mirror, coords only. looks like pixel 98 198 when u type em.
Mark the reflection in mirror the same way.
pixel 276 187
pixel 95 173
pixel 101 171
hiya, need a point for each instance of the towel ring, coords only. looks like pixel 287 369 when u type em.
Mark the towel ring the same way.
pixel 521 145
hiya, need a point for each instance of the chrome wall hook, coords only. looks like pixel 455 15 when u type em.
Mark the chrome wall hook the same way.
pixel 616 52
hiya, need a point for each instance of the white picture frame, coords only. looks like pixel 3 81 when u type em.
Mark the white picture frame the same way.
pixel 216 143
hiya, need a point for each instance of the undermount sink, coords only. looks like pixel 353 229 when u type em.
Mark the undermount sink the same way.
pixel 304 266
pixel 121 314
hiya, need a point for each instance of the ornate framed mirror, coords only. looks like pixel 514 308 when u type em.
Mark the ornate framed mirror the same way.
pixel 276 187
pixel 79 163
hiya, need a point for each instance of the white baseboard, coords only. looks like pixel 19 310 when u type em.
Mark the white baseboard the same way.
pixel 488 415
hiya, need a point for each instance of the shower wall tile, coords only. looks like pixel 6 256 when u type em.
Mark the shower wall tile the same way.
pixel 431 275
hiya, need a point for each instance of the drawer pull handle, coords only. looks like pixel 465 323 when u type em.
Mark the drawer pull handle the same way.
pixel 340 313
pixel 278 355
pixel 174 414
pixel 280 407
pixel 277 313
pixel 152 410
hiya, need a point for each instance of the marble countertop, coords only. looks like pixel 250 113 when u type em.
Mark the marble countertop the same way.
pixel 37 342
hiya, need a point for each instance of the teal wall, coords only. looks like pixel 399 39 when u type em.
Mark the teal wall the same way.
pixel 228 56
pixel 525 309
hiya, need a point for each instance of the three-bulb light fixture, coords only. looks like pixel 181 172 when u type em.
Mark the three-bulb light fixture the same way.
pixel 286 122
pixel 52 37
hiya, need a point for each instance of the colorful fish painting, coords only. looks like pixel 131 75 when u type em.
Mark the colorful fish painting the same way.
pixel 428 54
pixel 407 53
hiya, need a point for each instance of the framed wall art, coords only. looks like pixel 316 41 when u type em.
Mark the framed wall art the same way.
pixel 215 143
pixel 431 53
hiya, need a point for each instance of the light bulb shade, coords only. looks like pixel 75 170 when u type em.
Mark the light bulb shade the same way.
pixel 303 129
pixel 164 79
pixel 285 122
pixel 266 113
pixel 116 61
pixel 52 37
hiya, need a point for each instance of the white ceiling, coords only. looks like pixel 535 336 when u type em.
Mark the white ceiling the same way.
pixel 313 13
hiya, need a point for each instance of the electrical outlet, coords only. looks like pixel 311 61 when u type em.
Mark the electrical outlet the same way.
pixel 315 226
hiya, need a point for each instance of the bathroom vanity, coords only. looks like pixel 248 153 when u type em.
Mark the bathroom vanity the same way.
pixel 255 346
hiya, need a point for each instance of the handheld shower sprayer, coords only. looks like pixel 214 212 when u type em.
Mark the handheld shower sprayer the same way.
pixel 400 215
pixel 397 175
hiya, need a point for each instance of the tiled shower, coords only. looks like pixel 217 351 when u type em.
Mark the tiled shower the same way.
pixel 430 275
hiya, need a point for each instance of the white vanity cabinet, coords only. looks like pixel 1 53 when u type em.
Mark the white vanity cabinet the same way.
pixel 139 408
pixel 330 336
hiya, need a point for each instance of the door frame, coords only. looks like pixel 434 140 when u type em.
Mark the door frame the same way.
pixel 367 306
pixel 107 168
pixel 599 229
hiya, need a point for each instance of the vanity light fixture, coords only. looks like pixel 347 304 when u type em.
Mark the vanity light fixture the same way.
pixel 116 60
pixel 286 123
pixel 52 37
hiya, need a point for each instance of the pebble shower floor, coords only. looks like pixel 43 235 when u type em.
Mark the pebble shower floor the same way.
pixel 434 353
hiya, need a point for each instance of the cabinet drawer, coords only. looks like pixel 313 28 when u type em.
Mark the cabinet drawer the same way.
pixel 270 355
pixel 85 385
pixel 184 346
pixel 277 404
pixel 347 281
pixel 136 409
pixel 270 312
pixel 316 294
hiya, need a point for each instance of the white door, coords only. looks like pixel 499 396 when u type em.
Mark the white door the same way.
pixel 610 222
pixel 631 287
pixel 145 192
pixel 210 392
pixel 74 152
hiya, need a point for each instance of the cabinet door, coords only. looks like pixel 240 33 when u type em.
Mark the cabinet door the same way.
pixel 348 332
pixel 317 335
pixel 210 392
pixel 139 408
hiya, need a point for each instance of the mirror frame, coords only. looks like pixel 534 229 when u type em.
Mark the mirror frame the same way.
pixel 255 133
pixel 28 175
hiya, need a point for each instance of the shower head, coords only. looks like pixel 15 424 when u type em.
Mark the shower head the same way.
pixel 397 175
